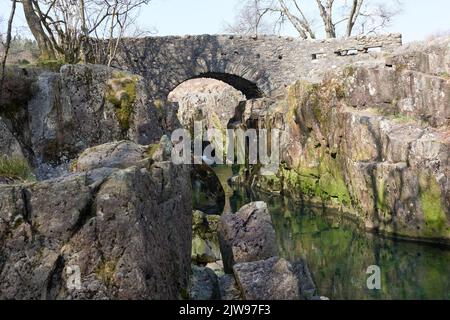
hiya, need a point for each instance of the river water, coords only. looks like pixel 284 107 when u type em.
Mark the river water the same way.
pixel 339 252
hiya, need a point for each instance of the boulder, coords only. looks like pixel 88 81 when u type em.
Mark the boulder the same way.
pixel 271 279
pixel 122 154
pixel 103 234
pixel 199 99
pixel 247 236
pixel 162 151
pixel 204 284
pixel 217 267
pixel 228 288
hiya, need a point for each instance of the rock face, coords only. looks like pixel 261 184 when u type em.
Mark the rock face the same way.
pixel 373 140
pixel 212 101
pixel 81 107
pixel 271 279
pixel 104 234
pixel 247 235
pixel 9 145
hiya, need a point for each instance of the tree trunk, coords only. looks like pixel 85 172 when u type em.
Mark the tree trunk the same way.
pixel 302 25
pixel 7 44
pixel 353 16
pixel 85 34
pixel 326 13
pixel 34 23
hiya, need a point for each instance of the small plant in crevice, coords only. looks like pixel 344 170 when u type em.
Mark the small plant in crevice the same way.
pixel 122 94
pixel 15 168
pixel 444 75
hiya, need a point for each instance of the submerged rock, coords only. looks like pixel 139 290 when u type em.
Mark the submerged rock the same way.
pixel 306 282
pixel 247 236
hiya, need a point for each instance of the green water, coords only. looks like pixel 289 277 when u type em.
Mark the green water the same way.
pixel 339 252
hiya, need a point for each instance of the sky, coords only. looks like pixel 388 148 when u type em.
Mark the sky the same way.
pixel 419 19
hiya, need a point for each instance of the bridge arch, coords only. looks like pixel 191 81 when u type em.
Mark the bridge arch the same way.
pixel 250 89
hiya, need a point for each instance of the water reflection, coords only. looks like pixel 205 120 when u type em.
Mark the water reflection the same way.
pixel 339 253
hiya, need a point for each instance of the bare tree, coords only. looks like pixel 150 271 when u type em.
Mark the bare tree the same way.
pixel 249 20
pixel 66 29
pixel 298 20
pixel 7 43
pixel 359 16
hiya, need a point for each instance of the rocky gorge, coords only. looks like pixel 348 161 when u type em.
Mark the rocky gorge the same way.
pixel 92 207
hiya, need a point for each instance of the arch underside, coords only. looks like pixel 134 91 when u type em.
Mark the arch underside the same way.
pixel 248 88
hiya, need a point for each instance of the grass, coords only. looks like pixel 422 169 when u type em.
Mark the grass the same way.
pixel 122 94
pixel 444 75
pixel 16 168
pixel 50 65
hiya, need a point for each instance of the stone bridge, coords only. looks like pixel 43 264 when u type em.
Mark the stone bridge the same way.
pixel 257 66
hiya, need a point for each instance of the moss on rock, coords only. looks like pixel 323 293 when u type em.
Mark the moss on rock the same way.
pixel 122 94
pixel 50 65
pixel 433 210
pixel 105 272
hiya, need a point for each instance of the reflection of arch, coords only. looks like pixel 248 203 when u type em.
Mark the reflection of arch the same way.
pixel 248 88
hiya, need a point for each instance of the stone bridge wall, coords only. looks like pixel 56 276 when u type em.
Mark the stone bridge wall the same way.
pixel 266 63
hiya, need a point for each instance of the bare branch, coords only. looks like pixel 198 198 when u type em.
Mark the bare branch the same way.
pixel 361 16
